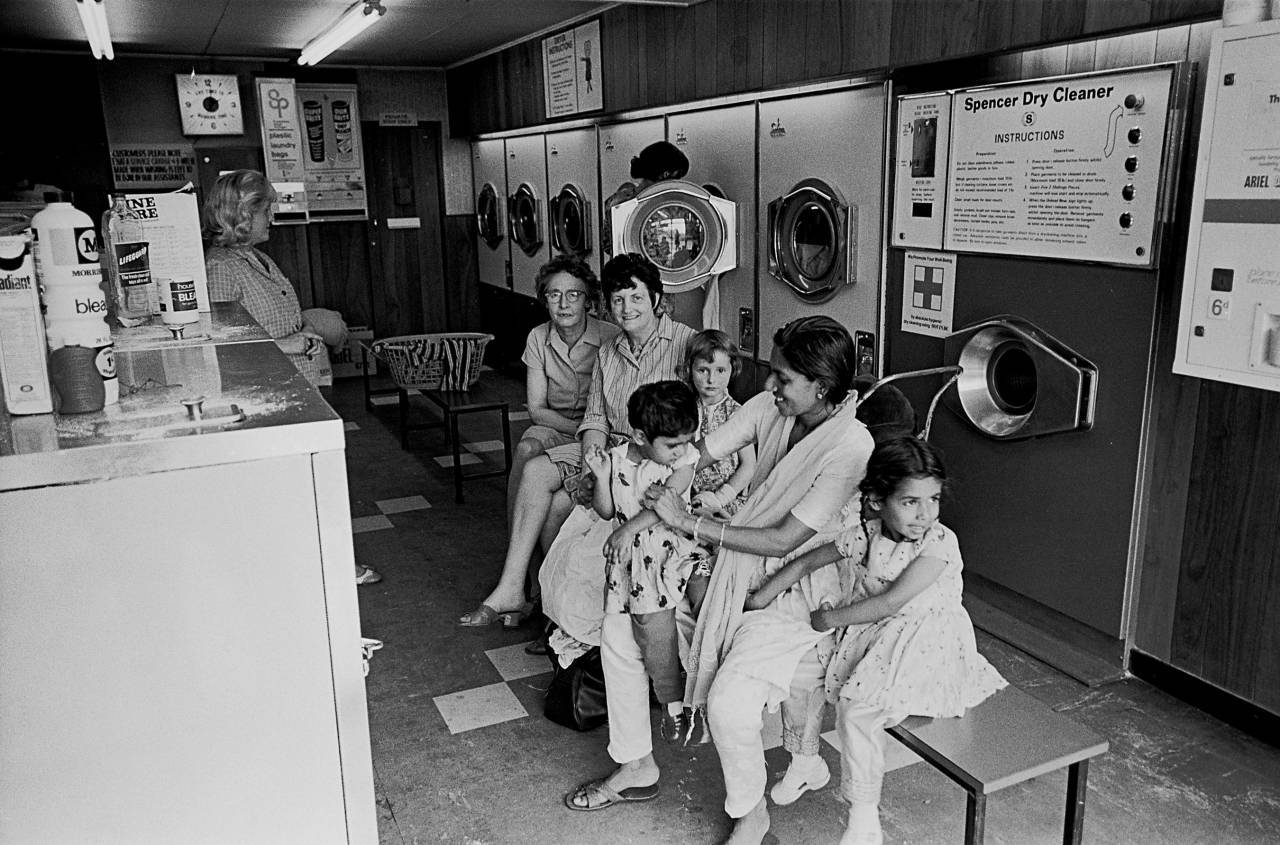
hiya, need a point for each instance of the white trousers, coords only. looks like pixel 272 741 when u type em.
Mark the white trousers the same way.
pixel 626 689
pixel 735 710
pixel 861 730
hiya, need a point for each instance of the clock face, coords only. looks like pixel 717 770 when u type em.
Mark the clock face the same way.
pixel 210 104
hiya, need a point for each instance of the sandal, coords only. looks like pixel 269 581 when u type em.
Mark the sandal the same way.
pixel 598 794
pixel 484 616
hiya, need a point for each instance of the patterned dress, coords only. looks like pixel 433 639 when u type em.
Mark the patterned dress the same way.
pixel 714 476
pixel 923 660
pixel 661 560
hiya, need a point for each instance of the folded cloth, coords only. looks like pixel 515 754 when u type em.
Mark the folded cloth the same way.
pixel 328 324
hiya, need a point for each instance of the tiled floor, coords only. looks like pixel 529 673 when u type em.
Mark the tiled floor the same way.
pixel 462 753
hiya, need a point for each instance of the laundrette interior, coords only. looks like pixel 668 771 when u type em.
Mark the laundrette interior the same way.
pixel 1058 218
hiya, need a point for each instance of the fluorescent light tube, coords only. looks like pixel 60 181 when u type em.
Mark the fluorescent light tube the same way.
pixel 93 15
pixel 354 20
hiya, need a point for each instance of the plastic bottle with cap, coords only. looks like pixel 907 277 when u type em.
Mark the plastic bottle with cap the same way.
pixel 126 261
pixel 82 363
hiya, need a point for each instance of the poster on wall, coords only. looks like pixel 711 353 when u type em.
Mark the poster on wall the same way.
pixel 1069 168
pixel 571 71
pixel 928 293
pixel 311 144
pixel 920 170
pixel 152 167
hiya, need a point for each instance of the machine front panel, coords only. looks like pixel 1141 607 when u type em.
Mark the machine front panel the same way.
pixel 489 167
pixel 527 170
pixel 571 160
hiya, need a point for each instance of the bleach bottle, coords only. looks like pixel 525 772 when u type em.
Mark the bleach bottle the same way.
pixel 82 363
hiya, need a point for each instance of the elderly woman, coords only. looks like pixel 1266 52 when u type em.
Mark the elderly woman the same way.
pixel 649 348
pixel 559 358
pixel 811 454
pixel 237 213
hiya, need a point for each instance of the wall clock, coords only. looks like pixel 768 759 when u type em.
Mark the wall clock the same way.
pixel 210 104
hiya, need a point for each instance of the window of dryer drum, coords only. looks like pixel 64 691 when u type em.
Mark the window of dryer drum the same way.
pixel 488 226
pixel 672 236
pixel 570 227
pixel 526 227
pixel 808 237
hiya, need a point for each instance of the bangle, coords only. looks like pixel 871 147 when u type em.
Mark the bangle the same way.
pixel 723 526
pixel 697 523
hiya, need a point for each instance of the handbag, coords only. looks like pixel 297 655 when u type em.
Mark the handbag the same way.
pixel 575 697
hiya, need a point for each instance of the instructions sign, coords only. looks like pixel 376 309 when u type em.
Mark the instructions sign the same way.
pixel 1065 168
pixel 571 71
pixel 928 293
pixel 152 166
pixel 920 170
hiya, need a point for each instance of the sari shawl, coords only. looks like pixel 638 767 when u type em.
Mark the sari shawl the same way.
pixel 833 457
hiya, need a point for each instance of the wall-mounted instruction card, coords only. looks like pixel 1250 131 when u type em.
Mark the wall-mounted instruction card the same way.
pixel 920 170
pixel 1069 168
pixel 172 225
pixel 928 293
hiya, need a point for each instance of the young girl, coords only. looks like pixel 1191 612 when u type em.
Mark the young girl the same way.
pixel 908 648
pixel 650 579
pixel 711 361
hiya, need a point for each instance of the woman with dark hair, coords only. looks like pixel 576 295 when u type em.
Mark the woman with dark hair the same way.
pixel 649 348
pixel 811 452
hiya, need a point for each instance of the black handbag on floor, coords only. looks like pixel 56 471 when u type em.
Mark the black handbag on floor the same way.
pixel 575 698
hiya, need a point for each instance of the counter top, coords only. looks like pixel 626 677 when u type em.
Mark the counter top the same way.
pixel 228 322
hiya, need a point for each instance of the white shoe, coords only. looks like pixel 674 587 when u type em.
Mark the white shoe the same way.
pixel 802 776
pixel 864 827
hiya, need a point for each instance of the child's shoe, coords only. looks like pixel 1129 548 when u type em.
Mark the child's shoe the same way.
pixel 699 732
pixel 674 726
pixel 806 772
pixel 864 826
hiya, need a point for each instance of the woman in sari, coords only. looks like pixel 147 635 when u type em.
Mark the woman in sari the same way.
pixel 811 454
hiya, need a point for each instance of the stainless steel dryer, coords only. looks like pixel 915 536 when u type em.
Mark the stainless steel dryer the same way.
pixel 618 143
pixel 489 178
pixel 821 166
pixel 574 194
pixel 527 210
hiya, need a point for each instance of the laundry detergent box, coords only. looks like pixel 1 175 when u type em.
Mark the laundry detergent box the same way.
pixel 24 361
pixel 346 358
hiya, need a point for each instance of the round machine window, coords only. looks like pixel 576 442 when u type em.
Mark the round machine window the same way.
pixel 524 220
pixel 487 223
pixel 673 236
pixel 569 227
pixel 813 241
pixel 1011 378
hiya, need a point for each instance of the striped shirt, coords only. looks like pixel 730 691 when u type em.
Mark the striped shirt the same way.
pixel 249 276
pixel 619 372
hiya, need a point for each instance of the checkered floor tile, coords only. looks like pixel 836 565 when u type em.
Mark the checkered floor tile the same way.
pixel 390 399
pixel 513 664
pixel 466 459
pixel 350 426
pixel 484 446
pixel 361 524
pixel 479 707
pixel 402 504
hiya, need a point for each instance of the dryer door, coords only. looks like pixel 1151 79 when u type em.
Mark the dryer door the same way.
pixel 571 221
pixel 487 214
pixel 689 234
pixel 811 240
pixel 522 217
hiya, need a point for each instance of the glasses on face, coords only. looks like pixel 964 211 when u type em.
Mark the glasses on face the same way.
pixel 570 296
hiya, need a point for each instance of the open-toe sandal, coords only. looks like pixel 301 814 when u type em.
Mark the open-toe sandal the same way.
pixel 598 794
pixel 484 616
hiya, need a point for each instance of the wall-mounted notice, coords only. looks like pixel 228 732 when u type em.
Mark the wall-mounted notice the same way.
pixel 281 130
pixel 152 167
pixel 1066 168
pixel 928 293
pixel 920 170
pixel 571 71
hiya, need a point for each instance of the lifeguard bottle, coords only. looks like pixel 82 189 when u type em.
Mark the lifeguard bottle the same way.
pixel 82 364
pixel 125 257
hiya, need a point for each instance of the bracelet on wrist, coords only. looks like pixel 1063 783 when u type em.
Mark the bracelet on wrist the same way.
pixel 697 523
pixel 720 542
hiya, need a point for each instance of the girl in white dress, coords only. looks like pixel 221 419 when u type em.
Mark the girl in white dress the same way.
pixel 908 648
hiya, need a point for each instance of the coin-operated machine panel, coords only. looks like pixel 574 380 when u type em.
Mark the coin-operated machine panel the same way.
pixel 684 229
pixel 489 170
pixel 1229 323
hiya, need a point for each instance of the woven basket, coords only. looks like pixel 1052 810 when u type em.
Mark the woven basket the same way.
pixel 434 361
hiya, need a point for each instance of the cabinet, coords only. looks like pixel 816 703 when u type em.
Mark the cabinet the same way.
pixel 179 632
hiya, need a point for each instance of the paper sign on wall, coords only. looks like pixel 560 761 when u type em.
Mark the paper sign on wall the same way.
pixel 928 293
pixel 920 170
pixel 152 166
pixel 571 71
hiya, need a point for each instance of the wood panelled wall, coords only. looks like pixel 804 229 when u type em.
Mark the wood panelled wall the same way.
pixel 654 56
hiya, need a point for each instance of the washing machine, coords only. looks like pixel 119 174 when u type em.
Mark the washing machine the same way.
pixel 489 179
pixel 690 233
pixel 1043 431
pixel 821 180
pixel 573 191
pixel 527 210
pixel 720 144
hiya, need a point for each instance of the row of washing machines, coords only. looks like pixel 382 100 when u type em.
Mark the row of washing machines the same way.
pixel 778 216
pixel 781 215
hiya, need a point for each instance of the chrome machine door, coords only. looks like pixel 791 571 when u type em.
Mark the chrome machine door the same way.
pixel 811 235
pixel 684 230
pixel 489 216
pixel 523 219
pixel 571 221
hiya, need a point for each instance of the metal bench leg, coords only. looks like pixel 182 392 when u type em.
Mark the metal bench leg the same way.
pixel 975 821
pixel 404 418
pixel 457 456
pixel 1077 791
pixel 364 371
pixel 506 437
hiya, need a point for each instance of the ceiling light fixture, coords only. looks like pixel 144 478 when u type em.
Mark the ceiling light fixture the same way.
pixel 93 14
pixel 357 19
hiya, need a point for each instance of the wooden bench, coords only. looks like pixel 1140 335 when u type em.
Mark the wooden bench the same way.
pixel 1009 738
